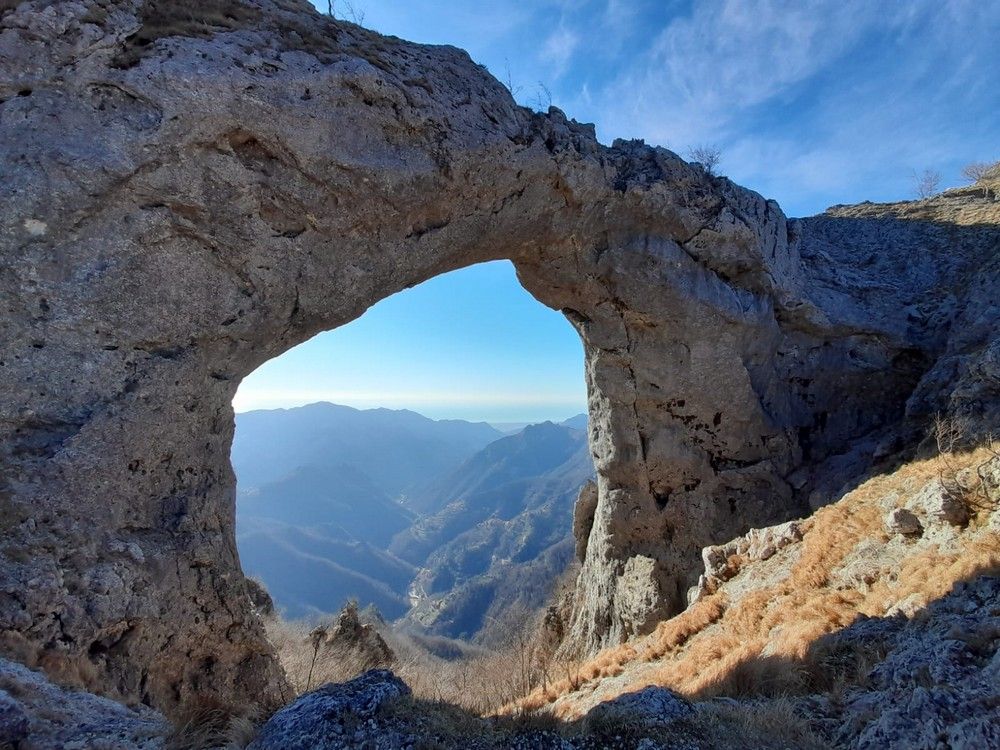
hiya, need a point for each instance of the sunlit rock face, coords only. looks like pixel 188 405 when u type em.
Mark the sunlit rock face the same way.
pixel 191 189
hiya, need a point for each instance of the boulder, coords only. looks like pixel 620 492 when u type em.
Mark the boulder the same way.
pixel 938 504
pixel 330 717
pixel 650 707
pixel 902 521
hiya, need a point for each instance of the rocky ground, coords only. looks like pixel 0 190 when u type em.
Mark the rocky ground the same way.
pixel 37 715
pixel 878 617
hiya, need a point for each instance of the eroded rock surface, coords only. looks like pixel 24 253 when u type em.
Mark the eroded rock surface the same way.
pixel 37 715
pixel 334 716
pixel 186 197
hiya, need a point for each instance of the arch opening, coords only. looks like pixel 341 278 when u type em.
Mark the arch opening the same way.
pixel 405 487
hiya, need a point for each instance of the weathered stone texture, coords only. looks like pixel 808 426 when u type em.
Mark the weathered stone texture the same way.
pixel 183 199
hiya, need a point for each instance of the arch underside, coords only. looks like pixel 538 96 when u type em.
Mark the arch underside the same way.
pixel 172 221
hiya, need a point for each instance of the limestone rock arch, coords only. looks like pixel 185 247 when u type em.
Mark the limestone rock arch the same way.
pixel 184 198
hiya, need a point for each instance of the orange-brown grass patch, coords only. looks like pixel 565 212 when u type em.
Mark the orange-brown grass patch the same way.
pixel 671 635
pixel 931 574
pixel 667 638
pixel 764 643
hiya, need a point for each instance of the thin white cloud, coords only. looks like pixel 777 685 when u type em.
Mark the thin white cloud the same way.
pixel 712 74
pixel 704 69
pixel 558 49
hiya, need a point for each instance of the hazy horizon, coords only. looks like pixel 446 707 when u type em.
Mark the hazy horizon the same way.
pixel 444 414
pixel 471 344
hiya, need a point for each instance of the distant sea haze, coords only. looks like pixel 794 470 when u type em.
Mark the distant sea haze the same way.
pixel 508 415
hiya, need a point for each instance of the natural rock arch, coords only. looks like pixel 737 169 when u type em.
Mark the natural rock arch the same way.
pixel 179 206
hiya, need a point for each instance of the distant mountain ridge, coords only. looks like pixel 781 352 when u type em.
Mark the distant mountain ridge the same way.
pixel 394 448
pixel 347 508
pixel 536 449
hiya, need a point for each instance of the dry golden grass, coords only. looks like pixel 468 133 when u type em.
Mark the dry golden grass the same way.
pixel 206 722
pixel 715 648
pixel 477 680
pixel 191 18
pixel 772 723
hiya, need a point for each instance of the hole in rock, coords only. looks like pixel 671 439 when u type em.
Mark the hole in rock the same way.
pixel 405 489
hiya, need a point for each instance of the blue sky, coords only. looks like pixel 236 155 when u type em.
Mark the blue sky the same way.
pixel 471 344
pixel 812 103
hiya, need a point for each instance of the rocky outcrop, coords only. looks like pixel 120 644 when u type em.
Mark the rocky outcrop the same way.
pixel 938 684
pixel 874 637
pixel 191 189
pixel 260 597
pixel 649 706
pixel 37 715
pixel 349 637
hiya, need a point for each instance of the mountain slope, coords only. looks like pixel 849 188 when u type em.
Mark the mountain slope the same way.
pixel 504 535
pixel 337 495
pixel 314 571
pixel 319 522
pixel 394 448
pixel 537 449
pixel 875 618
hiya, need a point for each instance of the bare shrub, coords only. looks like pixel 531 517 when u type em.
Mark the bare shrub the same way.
pixel 475 678
pixel 707 155
pixel 926 183
pixel 949 433
pixel 972 485
pixel 975 171
pixel 508 79
pixel 543 98
pixel 350 12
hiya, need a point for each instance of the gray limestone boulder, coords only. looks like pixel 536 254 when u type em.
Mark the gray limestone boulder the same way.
pixel 331 717
pixel 650 707
pixel 937 504
pixel 902 521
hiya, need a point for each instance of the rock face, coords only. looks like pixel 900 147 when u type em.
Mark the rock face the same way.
pixel 349 634
pixel 191 189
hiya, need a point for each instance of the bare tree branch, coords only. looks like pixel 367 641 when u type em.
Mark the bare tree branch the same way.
pixel 926 184
pixel 707 155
